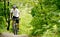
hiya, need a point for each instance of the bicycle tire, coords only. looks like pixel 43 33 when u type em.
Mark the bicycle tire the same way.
pixel 14 29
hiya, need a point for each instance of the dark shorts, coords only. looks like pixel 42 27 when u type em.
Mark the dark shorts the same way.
pixel 16 19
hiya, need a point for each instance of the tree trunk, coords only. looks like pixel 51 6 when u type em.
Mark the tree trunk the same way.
pixel 5 7
pixel 8 16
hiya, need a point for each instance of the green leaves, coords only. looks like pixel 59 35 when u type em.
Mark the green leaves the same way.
pixel 46 17
pixel 2 24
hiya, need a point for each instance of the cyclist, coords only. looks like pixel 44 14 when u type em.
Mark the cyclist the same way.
pixel 14 14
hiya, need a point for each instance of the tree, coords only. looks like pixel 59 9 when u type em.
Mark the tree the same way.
pixel 8 15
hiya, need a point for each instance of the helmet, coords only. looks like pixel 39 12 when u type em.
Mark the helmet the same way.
pixel 14 6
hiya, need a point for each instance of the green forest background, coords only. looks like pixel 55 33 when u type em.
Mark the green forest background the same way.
pixel 38 17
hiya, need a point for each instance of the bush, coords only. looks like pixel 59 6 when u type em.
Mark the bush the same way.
pixel 2 24
pixel 44 17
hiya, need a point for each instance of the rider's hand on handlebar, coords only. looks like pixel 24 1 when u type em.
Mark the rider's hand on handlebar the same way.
pixel 10 18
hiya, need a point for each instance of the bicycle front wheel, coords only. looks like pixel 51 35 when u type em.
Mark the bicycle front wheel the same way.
pixel 14 29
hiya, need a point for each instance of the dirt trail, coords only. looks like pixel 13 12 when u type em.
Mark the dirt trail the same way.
pixel 12 35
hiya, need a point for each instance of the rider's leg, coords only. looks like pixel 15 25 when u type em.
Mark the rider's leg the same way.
pixel 18 26
pixel 17 22
pixel 13 20
pixel 12 23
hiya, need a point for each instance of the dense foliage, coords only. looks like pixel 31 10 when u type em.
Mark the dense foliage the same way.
pixel 2 18
pixel 45 17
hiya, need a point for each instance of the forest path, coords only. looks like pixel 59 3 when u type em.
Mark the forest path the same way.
pixel 6 34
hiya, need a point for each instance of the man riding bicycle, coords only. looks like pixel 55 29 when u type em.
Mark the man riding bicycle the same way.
pixel 14 14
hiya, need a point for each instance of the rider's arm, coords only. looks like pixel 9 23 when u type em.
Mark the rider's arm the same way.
pixel 11 12
pixel 19 14
pixel 10 15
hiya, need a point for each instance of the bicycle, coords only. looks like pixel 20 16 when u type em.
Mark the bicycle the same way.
pixel 14 27
pixel 15 30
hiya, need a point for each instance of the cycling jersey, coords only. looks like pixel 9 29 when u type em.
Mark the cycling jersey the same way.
pixel 15 12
